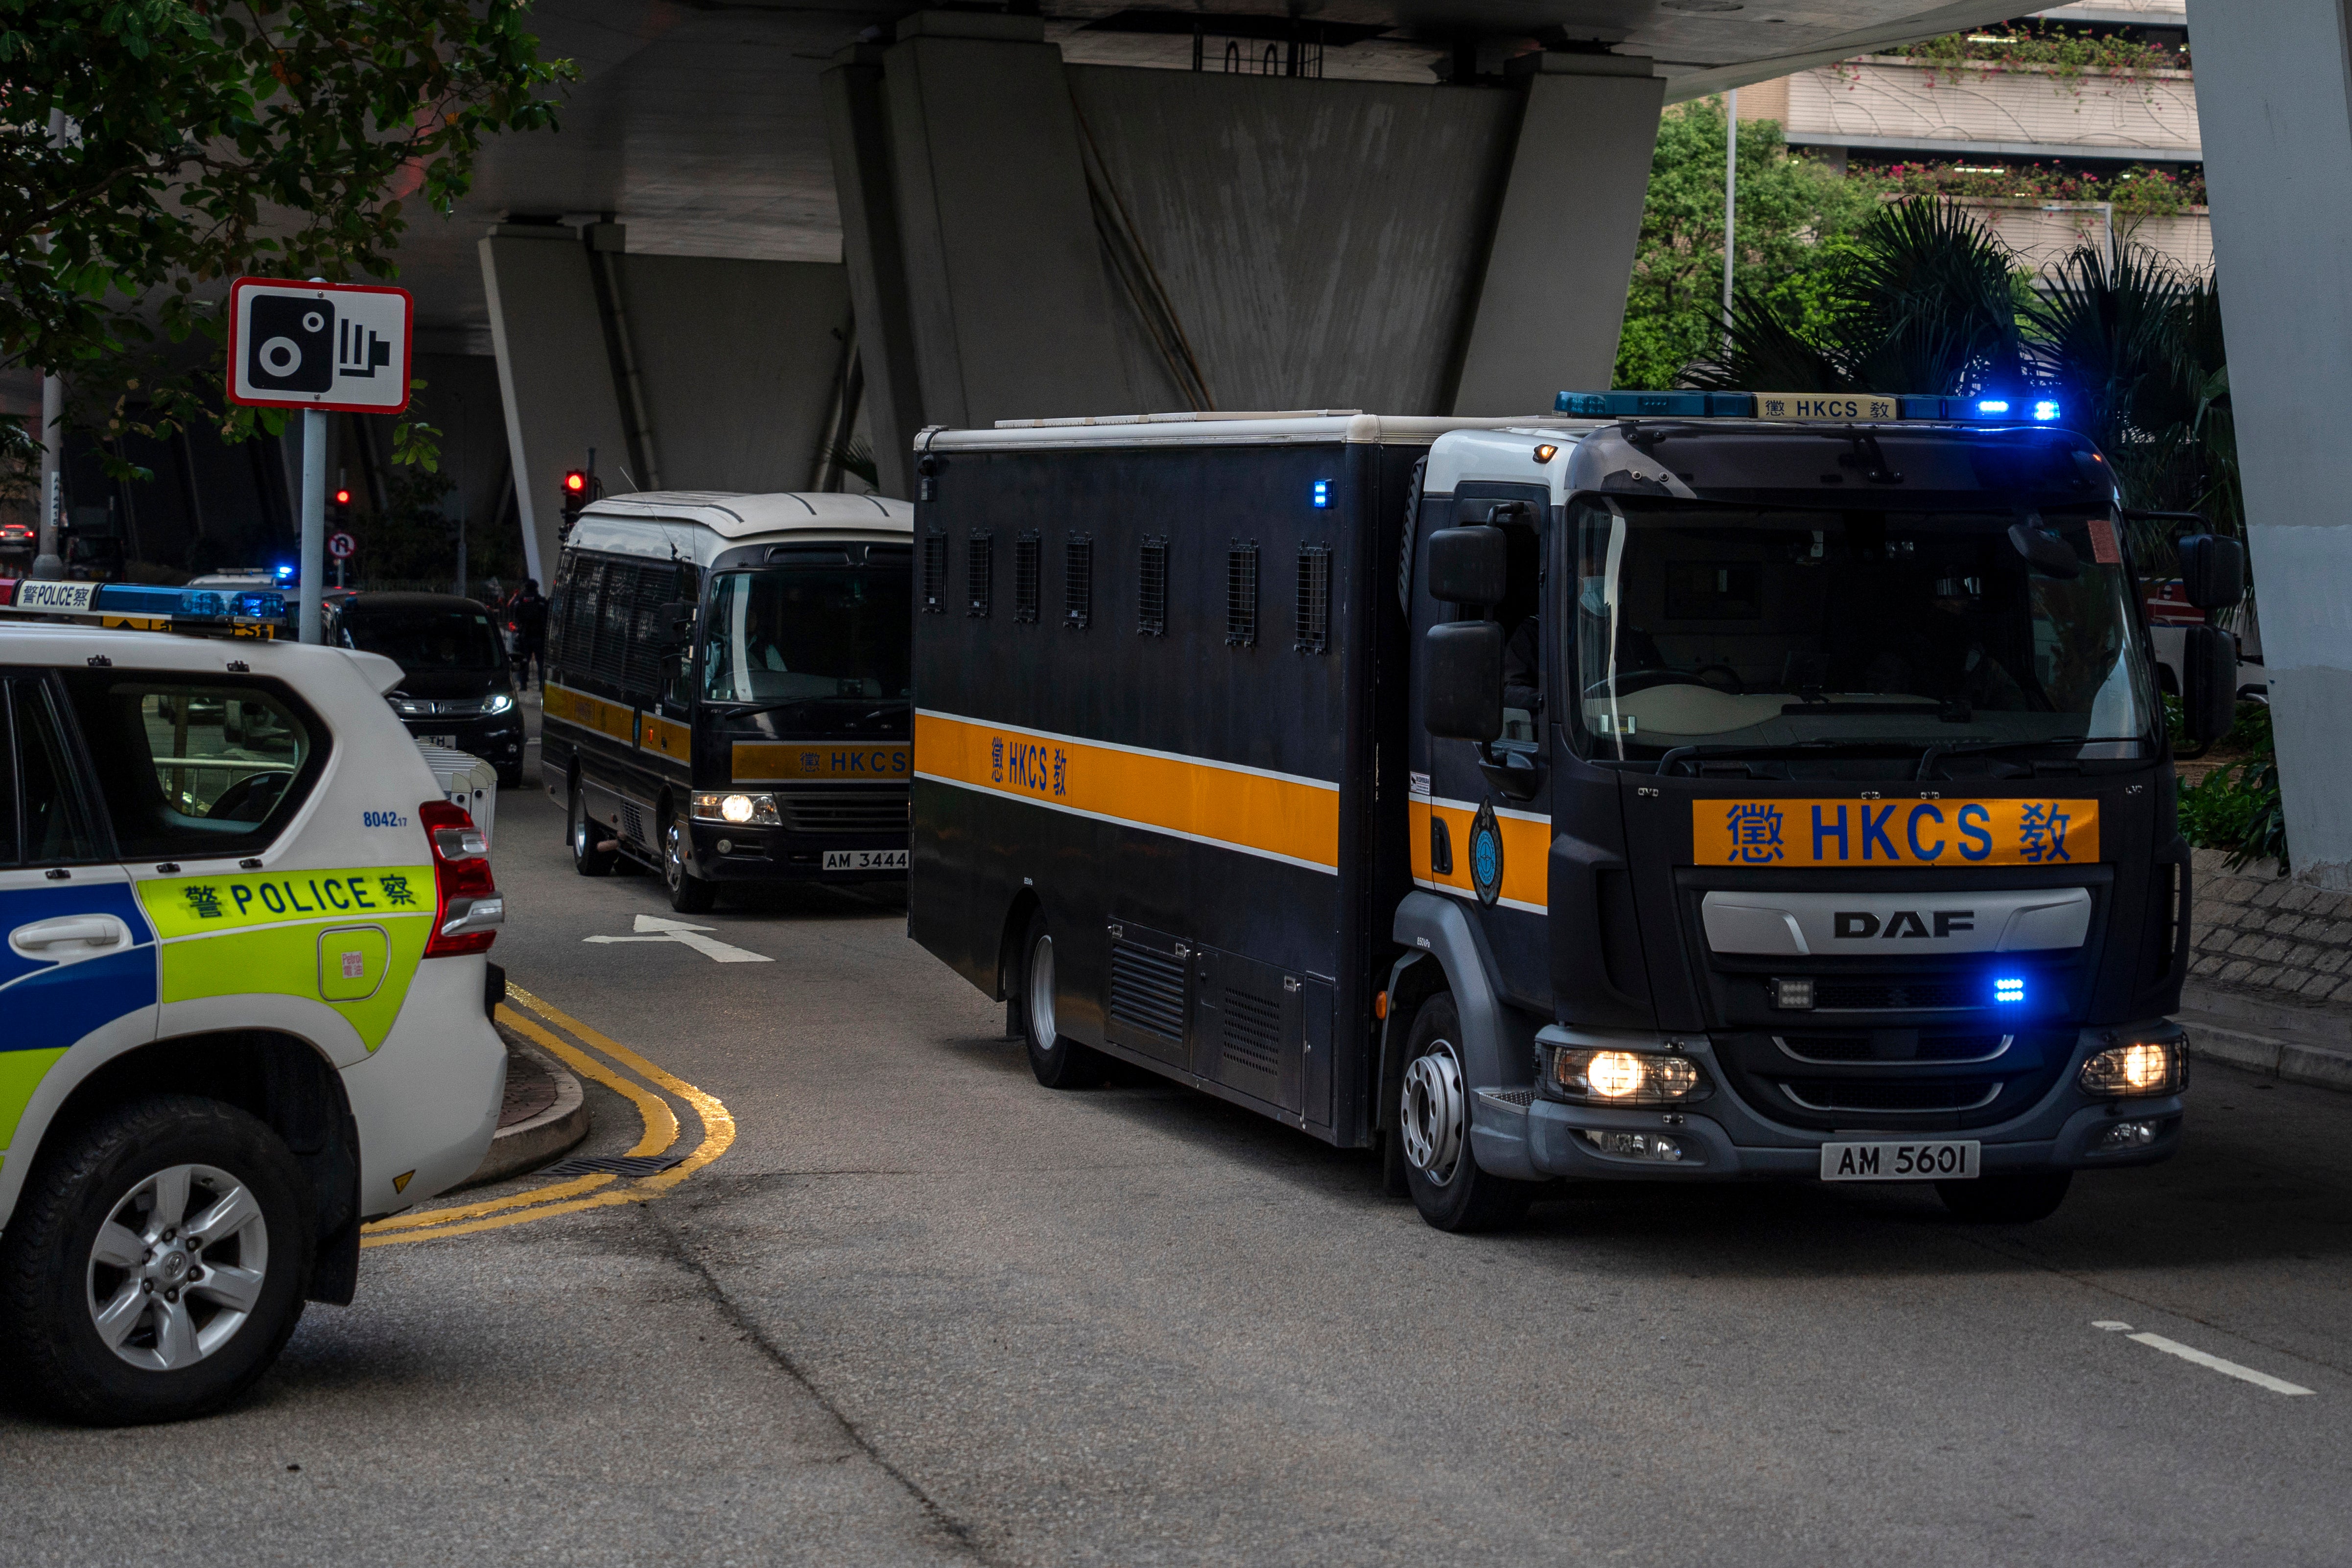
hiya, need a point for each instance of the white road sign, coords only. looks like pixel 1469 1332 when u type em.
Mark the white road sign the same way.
pixel 341 545
pixel 329 346
pixel 661 928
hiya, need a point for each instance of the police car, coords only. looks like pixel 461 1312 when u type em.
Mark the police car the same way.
pixel 244 984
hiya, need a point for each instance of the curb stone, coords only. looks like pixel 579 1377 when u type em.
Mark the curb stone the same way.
pixel 2299 1044
pixel 538 1139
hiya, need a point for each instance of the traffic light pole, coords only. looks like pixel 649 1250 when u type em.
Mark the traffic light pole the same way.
pixel 314 522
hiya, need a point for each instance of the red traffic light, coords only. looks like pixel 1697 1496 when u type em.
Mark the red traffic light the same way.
pixel 576 480
pixel 342 497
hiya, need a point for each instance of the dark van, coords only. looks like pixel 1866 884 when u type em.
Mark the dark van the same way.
pixel 456 689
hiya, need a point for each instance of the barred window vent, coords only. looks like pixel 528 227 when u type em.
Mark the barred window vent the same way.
pixel 1241 596
pixel 1152 589
pixel 1312 627
pixel 979 571
pixel 1026 551
pixel 935 574
pixel 1078 583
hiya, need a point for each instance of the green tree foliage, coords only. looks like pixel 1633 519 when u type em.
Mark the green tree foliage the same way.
pixel 206 138
pixel 1792 210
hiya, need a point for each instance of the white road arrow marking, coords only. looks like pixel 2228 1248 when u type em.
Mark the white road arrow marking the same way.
pixel 659 928
pixel 2202 1358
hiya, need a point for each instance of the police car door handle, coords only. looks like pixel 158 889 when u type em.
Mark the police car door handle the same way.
pixel 87 931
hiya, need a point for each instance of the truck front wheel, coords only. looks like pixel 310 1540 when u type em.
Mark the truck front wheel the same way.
pixel 1433 1132
pixel 156 1263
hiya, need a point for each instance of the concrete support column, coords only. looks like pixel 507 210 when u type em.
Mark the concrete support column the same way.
pixel 982 277
pixel 1552 295
pixel 556 376
pixel 2274 102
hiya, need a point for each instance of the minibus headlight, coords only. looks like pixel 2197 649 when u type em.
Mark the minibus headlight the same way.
pixel 2142 1067
pixel 1602 1077
pixel 737 808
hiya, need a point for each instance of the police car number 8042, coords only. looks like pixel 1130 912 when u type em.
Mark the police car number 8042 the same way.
pixel 1950 1159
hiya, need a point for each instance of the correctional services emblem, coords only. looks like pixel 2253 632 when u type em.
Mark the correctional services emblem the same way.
pixel 1485 853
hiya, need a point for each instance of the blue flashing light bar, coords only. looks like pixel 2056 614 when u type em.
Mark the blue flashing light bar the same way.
pixel 1322 492
pixel 1841 407
pixel 2008 988
pixel 247 612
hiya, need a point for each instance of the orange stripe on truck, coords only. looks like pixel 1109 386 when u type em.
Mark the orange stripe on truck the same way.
pixel 1526 851
pixel 1279 816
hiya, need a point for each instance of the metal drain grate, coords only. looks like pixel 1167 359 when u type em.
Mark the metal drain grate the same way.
pixel 615 1164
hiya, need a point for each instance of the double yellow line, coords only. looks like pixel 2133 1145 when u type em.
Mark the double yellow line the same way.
pixel 661 1132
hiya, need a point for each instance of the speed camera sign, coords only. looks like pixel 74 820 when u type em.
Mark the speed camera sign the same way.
pixel 329 346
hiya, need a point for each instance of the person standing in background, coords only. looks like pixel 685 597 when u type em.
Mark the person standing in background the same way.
pixel 527 611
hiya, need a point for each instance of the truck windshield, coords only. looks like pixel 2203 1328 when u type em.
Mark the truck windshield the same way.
pixel 1721 625
pixel 795 634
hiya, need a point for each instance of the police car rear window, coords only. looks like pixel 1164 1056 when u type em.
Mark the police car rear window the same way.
pixel 192 768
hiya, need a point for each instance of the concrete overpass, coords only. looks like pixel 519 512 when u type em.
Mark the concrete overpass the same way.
pixel 764 228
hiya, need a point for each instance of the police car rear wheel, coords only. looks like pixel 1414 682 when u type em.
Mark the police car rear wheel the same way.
pixel 688 894
pixel 586 858
pixel 1441 1170
pixel 157 1263
pixel 1059 1062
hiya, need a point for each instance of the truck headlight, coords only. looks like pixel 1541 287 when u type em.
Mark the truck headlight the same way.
pixel 736 808
pixel 2142 1067
pixel 1605 1077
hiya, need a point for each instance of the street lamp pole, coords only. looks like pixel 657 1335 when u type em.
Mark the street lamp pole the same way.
pixel 1730 200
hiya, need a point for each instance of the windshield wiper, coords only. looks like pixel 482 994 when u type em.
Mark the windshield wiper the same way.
pixel 1941 750
pixel 752 710
pixel 1704 753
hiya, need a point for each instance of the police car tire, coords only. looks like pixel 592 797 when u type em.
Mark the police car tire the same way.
pixel 44 1257
pixel 586 858
pixel 1060 1062
pixel 2006 1199
pixel 1470 1199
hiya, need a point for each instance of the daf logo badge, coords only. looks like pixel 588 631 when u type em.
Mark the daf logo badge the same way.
pixel 1861 925
pixel 1487 853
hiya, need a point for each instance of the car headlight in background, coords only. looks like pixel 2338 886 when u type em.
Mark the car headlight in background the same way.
pixel 2142 1067
pixel 497 702
pixel 1602 1077
pixel 735 807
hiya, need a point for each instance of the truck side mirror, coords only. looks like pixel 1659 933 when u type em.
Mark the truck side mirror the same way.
pixel 1468 565
pixel 674 625
pixel 2213 571
pixel 1462 675
pixel 2208 682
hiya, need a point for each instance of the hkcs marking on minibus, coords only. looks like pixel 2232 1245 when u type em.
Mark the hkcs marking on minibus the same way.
pixel 1861 925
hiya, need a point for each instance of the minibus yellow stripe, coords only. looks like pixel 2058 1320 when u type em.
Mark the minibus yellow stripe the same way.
pixel 1526 851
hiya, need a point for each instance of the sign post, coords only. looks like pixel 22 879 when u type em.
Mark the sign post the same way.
pixel 324 348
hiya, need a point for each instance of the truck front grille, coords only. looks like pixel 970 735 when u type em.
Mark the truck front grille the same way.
pixel 1826 1078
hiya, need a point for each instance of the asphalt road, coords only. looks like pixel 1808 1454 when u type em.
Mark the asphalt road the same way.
pixel 922 1310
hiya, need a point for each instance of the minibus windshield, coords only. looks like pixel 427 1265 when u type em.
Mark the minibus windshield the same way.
pixel 1729 626
pixel 795 633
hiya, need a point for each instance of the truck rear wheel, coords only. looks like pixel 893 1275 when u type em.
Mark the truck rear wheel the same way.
pixel 1433 1132
pixel 1059 1062
pixel 586 858
pixel 156 1263
pixel 2006 1199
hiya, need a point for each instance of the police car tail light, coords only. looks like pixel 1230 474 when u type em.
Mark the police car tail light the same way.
pixel 466 907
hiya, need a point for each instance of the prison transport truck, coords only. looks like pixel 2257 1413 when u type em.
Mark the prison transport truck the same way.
pixel 1670 798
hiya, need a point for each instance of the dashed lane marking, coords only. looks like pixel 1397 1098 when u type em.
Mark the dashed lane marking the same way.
pixel 660 1123
pixel 2202 1358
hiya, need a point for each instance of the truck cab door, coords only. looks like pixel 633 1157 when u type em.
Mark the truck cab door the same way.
pixel 77 954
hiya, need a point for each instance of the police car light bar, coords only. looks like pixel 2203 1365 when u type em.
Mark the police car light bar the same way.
pixel 1803 406
pixel 139 607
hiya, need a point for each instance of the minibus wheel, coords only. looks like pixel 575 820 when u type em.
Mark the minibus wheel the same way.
pixel 157 1262
pixel 688 894
pixel 1432 1128
pixel 1059 1062
pixel 2006 1199
pixel 586 858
